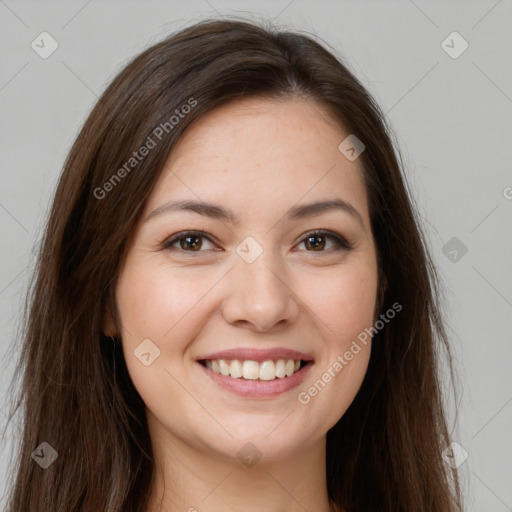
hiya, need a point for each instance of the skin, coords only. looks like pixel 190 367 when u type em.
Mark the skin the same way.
pixel 258 157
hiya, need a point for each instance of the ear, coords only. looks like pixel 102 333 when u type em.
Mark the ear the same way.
pixel 381 291
pixel 109 324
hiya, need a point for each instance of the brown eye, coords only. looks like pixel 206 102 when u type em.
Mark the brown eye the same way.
pixel 188 241
pixel 316 241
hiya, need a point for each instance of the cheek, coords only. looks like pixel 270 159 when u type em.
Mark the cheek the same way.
pixel 343 304
pixel 344 301
pixel 163 305
pixel 153 302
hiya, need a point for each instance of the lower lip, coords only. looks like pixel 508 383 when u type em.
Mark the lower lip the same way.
pixel 258 388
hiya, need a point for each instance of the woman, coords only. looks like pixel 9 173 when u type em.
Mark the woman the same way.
pixel 233 307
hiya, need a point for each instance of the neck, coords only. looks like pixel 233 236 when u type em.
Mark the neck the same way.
pixel 190 478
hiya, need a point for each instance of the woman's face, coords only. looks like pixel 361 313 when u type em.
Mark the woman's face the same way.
pixel 254 285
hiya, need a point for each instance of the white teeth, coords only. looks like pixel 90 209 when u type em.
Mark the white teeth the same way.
pixel 290 367
pixel 224 367
pixel 252 370
pixel 235 370
pixel 267 370
pixel 280 368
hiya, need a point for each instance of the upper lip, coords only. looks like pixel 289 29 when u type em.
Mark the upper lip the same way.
pixel 257 354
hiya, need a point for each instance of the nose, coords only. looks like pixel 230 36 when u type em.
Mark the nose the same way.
pixel 258 295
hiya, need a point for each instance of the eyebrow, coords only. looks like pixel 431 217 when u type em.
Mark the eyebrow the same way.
pixel 218 212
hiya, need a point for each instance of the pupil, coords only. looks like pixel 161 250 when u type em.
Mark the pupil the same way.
pixel 316 245
pixel 193 245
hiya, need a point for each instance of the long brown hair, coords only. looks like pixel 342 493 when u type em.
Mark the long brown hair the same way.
pixel 384 454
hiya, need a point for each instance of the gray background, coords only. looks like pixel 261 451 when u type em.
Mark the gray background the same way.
pixel 452 118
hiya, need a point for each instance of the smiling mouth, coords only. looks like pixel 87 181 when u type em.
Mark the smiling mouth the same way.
pixel 253 370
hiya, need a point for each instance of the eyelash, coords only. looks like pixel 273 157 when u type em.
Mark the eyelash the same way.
pixel 341 242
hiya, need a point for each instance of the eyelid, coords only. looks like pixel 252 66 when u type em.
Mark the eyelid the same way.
pixel 166 244
pixel 341 241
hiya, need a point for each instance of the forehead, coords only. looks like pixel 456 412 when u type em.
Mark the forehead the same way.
pixel 257 153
